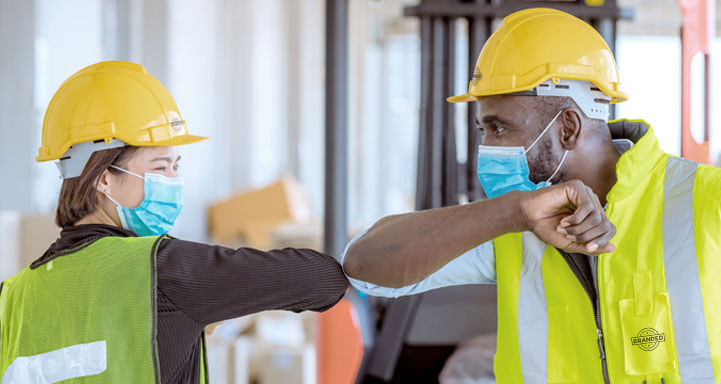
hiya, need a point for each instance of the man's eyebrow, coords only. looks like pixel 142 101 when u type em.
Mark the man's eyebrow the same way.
pixel 494 119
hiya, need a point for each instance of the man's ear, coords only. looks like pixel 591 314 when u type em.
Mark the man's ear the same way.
pixel 571 128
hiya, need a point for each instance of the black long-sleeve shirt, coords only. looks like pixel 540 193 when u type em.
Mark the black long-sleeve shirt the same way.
pixel 199 284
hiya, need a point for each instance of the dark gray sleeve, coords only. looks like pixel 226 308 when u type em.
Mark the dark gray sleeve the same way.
pixel 213 283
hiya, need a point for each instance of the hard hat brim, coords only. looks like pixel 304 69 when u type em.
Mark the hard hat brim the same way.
pixel 178 140
pixel 464 98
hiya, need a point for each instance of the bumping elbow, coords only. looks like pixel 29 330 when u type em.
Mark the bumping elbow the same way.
pixel 382 266
pixel 376 273
pixel 351 265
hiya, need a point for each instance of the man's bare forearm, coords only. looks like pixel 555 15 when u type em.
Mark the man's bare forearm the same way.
pixel 404 249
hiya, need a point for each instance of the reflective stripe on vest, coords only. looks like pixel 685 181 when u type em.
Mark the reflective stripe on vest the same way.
pixel 532 314
pixel 680 264
pixel 62 364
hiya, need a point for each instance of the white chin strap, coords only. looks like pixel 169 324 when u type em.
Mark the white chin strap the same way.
pixel 558 168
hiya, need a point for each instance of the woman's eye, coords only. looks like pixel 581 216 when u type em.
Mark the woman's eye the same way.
pixel 162 169
pixel 175 167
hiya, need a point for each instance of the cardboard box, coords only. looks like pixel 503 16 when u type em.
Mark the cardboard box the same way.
pixel 297 236
pixel 23 239
pixel 250 216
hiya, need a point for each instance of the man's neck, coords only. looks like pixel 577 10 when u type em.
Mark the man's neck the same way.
pixel 600 173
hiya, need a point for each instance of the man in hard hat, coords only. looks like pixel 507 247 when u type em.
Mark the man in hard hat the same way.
pixel 563 182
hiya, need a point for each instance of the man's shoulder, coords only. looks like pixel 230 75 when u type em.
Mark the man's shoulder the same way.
pixel 709 178
pixel 704 173
pixel 707 193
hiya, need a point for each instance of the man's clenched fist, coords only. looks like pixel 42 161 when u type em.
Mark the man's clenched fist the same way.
pixel 570 217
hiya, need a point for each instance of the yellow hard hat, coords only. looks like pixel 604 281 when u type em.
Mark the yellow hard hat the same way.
pixel 109 102
pixel 540 44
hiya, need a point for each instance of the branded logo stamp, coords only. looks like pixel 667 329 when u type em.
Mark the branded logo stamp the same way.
pixel 648 339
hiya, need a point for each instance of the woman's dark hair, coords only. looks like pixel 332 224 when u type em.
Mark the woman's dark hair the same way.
pixel 78 195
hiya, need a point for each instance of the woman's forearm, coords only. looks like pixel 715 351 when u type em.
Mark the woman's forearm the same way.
pixel 211 283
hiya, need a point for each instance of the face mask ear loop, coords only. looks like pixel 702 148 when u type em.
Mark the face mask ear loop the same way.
pixel 544 131
pixel 559 166
pixel 108 196
pixel 126 171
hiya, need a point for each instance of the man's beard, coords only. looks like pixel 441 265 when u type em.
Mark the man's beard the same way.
pixel 544 163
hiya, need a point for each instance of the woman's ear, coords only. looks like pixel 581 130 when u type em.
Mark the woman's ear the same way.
pixel 104 182
pixel 571 128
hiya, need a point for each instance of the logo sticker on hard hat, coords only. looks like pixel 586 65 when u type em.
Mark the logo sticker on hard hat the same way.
pixel 477 76
pixel 648 339
pixel 177 126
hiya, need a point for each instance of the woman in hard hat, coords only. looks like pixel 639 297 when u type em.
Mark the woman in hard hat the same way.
pixel 114 299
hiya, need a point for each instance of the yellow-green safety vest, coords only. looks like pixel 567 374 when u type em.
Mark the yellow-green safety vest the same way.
pixel 88 315
pixel 659 292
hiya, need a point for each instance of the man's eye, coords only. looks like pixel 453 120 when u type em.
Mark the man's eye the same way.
pixel 498 129
pixel 162 169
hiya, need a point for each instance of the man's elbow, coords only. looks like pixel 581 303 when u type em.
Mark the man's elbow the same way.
pixel 359 267
pixel 351 265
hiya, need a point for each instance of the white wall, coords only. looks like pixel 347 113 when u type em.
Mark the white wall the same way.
pixel 650 69
pixel 384 104
pixel 17 140
pixel 63 46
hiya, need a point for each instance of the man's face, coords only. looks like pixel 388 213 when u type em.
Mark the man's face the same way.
pixel 516 121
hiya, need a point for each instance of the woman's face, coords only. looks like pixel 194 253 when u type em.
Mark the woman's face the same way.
pixel 129 190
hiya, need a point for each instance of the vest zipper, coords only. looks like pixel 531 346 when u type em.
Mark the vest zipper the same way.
pixel 593 261
pixel 596 304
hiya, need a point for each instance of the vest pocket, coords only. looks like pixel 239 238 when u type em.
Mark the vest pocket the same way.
pixel 562 363
pixel 648 342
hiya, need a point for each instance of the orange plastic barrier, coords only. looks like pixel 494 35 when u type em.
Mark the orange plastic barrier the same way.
pixel 699 18
pixel 340 344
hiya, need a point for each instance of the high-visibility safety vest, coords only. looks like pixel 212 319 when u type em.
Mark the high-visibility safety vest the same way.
pixel 86 316
pixel 659 293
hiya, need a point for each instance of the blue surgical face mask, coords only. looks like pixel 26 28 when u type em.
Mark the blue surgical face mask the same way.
pixel 505 169
pixel 159 209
